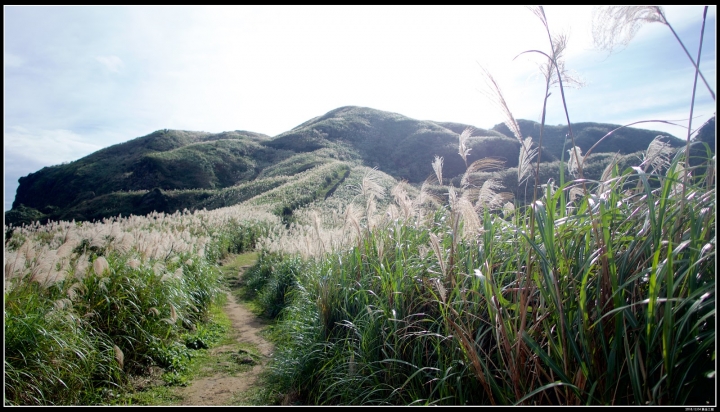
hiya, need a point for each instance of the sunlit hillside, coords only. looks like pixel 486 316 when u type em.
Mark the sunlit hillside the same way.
pixel 392 261
pixel 172 170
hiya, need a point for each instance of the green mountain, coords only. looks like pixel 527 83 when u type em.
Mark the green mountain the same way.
pixel 170 170
pixel 556 139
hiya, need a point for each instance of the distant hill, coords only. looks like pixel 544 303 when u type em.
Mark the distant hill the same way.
pixel 398 145
pixel 555 139
pixel 171 170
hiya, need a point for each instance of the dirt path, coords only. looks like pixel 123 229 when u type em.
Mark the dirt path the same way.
pixel 222 388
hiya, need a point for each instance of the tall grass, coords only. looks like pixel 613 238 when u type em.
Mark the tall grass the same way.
pixel 416 314
pixel 600 292
pixel 89 305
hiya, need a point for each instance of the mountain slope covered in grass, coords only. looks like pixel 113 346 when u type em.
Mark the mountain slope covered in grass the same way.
pixel 171 170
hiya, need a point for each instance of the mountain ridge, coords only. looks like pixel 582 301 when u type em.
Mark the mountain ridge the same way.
pixel 170 170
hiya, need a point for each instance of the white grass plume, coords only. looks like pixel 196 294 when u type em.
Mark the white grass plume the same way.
pixel 463 150
pixel 488 194
pixel 616 26
pixel 527 153
pixel 485 164
pixel 437 166
pixel 316 225
pixel 607 173
pixel 370 187
pixel 574 160
pixel 435 245
pixel 494 94
pixel 657 155
pixel 508 209
pixel 471 221
pixel 425 196
pixel 403 200
pixel 100 265
pixel 352 218
pixel 75 290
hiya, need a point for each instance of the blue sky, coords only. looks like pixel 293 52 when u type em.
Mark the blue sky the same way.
pixel 77 79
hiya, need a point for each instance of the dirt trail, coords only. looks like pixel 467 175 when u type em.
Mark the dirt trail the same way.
pixel 221 388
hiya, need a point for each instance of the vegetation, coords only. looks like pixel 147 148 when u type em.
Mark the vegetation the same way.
pixel 531 267
pixel 89 305
pixel 171 170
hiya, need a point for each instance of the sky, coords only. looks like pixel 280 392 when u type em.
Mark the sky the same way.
pixel 77 79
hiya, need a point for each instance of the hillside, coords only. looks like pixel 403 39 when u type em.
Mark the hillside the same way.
pixel 555 138
pixel 170 170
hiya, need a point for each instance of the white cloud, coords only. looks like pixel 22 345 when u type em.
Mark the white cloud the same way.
pixel 26 150
pixel 12 60
pixel 48 147
pixel 112 63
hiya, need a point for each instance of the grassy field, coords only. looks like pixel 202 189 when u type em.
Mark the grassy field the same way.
pixel 585 280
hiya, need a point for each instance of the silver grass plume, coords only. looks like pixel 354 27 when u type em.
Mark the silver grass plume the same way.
pixel 454 202
pixel 657 155
pixel 488 194
pixel 380 247
pixel 607 173
pixel 81 266
pixel 425 196
pixel 27 250
pixel 575 193
pixel 501 199
pixel 173 316
pixel 480 165
pixel 77 288
pixel 316 225
pixel 423 251
pixel 65 250
pixel 559 43
pixel 158 269
pixel 370 209
pixel 682 174
pixel 62 304
pixel 470 217
pixel 103 283
pixel 402 200
pixel 574 160
pixel 392 213
pixel 508 209
pixel 440 288
pixel 494 94
pixel 435 245
pixel 100 265
pixel 614 26
pixel 371 190
pixel 119 356
pixel 352 217
pixel 527 153
pixel 437 166
pixel 463 150
pixel 370 186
